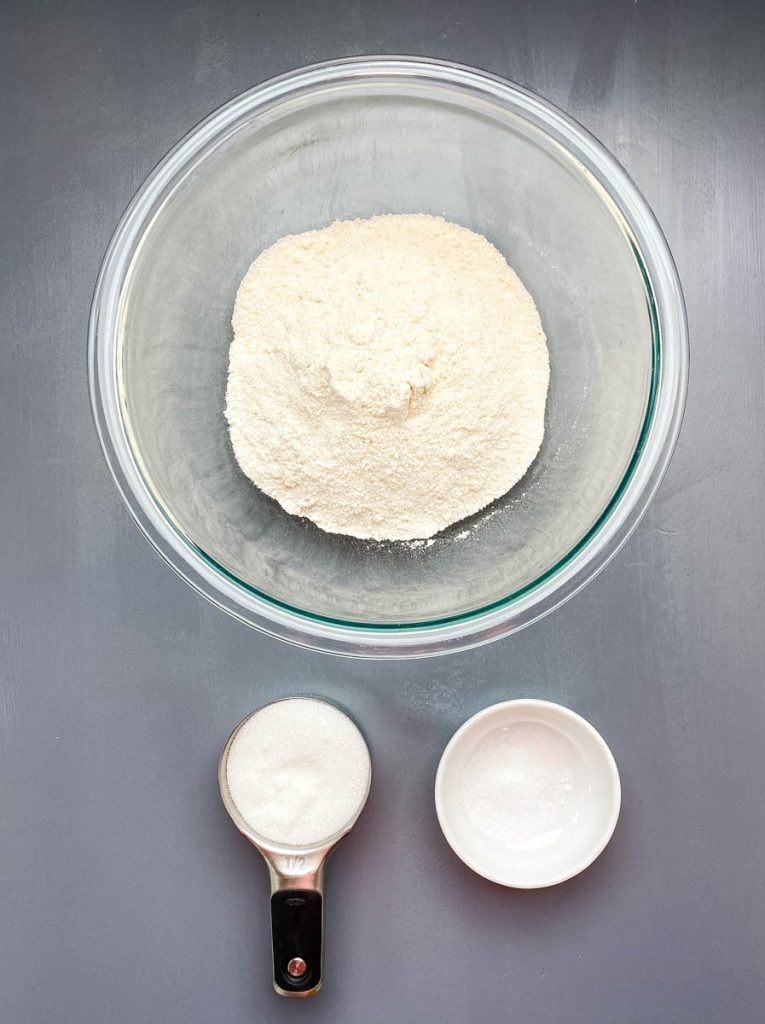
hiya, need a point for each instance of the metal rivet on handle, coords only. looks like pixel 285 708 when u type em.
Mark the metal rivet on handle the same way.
pixel 297 967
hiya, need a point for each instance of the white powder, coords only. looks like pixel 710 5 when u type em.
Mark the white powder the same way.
pixel 298 771
pixel 517 782
pixel 387 377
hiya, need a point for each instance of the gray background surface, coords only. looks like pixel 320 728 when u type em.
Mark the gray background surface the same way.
pixel 125 894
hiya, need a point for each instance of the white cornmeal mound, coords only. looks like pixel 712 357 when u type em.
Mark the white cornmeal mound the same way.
pixel 387 377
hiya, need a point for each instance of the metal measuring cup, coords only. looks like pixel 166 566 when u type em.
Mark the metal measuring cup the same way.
pixel 297 885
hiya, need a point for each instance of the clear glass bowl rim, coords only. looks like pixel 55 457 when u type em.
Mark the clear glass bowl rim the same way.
pixel 592 553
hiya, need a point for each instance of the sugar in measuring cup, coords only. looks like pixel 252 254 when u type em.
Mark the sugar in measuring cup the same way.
pixel 294 776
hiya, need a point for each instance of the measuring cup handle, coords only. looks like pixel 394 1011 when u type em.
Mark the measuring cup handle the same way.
pixel 297 924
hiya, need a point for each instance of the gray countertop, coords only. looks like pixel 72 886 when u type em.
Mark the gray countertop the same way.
pixel 126 894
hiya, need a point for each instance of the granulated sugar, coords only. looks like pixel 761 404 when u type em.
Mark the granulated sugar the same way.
pixel 517 782
pixel 298 771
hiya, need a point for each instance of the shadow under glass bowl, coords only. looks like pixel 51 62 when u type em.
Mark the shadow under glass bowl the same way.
pixel 349 139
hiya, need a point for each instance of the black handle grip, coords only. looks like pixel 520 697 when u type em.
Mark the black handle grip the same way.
pixel 296 933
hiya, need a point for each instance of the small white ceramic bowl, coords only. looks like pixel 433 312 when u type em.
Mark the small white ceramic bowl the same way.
pixel 527 793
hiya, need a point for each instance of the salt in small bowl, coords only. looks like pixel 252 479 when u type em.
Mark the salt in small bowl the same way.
pixel 527 793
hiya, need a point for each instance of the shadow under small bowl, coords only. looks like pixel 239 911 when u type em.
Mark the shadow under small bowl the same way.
pixel 350 139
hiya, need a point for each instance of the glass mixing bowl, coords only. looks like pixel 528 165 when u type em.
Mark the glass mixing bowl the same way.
pixel 349 139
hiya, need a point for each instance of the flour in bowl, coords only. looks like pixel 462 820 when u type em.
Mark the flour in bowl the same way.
pixel 387 378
